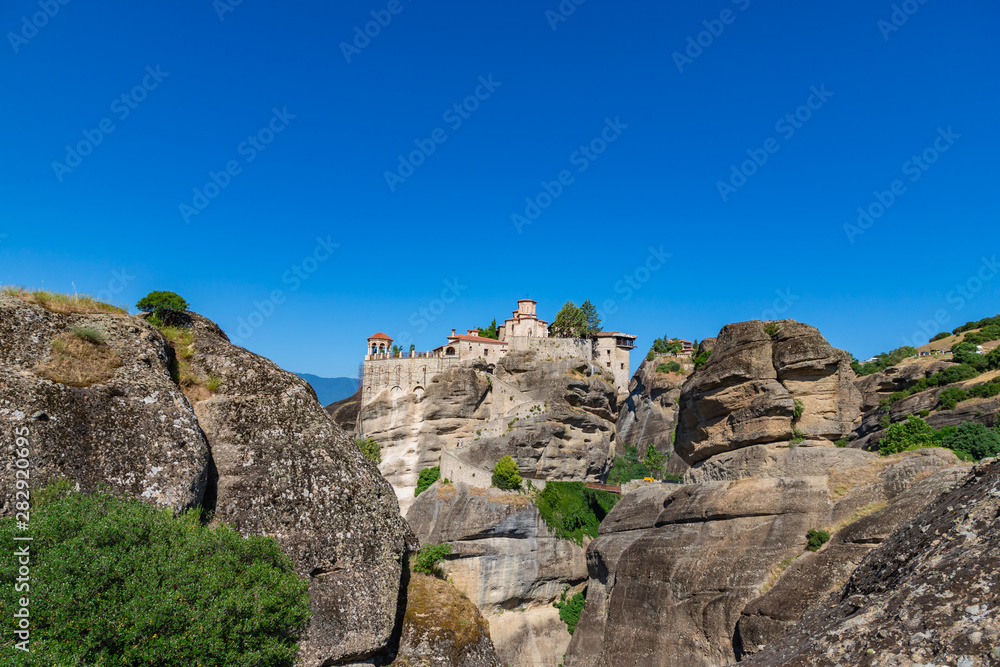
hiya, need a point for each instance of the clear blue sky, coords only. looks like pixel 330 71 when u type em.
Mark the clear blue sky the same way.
pixel 677 124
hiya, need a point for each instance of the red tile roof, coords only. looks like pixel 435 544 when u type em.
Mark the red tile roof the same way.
pixel 379 336
pixel 475 339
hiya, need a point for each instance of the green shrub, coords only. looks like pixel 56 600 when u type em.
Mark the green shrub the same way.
pixel 118 581
pixel 164 308
pixel 426 478
pixel 817 538
pixel 571 510
pixel 905 435
pixel 925 412
pixel 974 439
pixel 650 355
pixel 943 334
pixel 979 324
pixel 843 442
pixel 570 610
pixel 506 475
pixel 428 560
pixel 371 450
pixel 654 461
pixel 702 359
pixel 799 409
pixel 797 436
pixel 672 477
pixel 986 389
pixel 626 468
pixel 884 360
pixel 950 397
pixel 671 367
pixel 772 329
pixel 885 421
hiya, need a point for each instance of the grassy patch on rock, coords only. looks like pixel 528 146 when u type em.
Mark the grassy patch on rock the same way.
pixel 79 358
pixel 79 304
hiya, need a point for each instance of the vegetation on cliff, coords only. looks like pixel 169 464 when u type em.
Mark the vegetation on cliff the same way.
pixel 971 441
pixel 571 510
pixel 576 321
pixel 882 361
pixel 506 474
pixel 370 449
pixel 164 308
pixel 630 466
pixel 570 610
pixel 426 478
pixel 117 581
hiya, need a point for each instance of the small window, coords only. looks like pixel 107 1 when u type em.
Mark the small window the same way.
pixel 609 364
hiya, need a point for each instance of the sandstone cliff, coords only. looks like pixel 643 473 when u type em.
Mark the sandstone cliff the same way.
pixel 507 562
pixel 555 417
pixel 259 450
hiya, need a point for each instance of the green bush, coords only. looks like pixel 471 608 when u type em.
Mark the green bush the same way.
pixel 797 436
pixel 506 475
pixel 702 359
pixel 671 367
pixel 985 389
pixel 570 610
pixel 571 510
pixel 370 449
pixel 905 435
pixel 626 468
pixel 799 409
pixel 974 439
pixel 165 308
pixel 950 397
pixel 426 478
pixel 945 377
pixel 88 334
pixel 118 581
pixel 817 538
pixel 843 442
pixel 650 355
pixel 884 360
pixel 429 558
pixel 943 334
pixel 979 324
pixel 772 329
pixel 924 413
pixel 654 461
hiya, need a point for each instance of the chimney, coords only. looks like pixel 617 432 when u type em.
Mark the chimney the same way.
pixel 452 332
pixel 473 332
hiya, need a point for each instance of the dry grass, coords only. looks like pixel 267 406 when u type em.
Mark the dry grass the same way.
pixel 80 304
pixel 776 573
pixel 844 481
pixel 79 361
pixel 195 387
pixel 858 514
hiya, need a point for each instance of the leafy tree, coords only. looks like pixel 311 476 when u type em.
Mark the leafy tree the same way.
pixel 118 581
pixel 492 331
pixel 426 478
pixel 884 360
pixel 506 474
pixel 592 321
pixel 975 439
pixel 816 539
pixel 943 334
pixel 654 461
pixel 164 308
pixel 370 449
pixel 701 359
pixel 902 436
pixel 429 558
pixel 569 322
pixel 671 367
pixel 650 355
pixel 570 610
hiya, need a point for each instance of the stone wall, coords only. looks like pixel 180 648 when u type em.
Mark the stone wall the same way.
pixel 554 348
pixel 407 373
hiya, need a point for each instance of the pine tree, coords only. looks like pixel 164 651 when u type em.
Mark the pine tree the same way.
pixel 592 320
pixel 569 322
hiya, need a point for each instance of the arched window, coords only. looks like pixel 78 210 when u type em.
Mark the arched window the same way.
pixel 450 352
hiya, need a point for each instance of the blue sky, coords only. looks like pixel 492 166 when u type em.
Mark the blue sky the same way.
pixel 249 157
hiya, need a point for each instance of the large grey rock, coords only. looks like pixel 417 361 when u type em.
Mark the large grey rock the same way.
pixel 135 432
pixel 745 395
pixel 285 469
pixel 927 595
pixel 649 414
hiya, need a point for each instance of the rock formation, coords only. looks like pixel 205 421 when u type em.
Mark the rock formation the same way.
pixel 345 412
pixel 508 563
pixel 649 414
pixel 260 451
pixel 676 566
pixel 927 595
pixel 555 417
pixel 442 628
pixel 747 391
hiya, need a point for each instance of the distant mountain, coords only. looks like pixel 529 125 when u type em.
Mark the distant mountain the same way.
pixel 330 390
